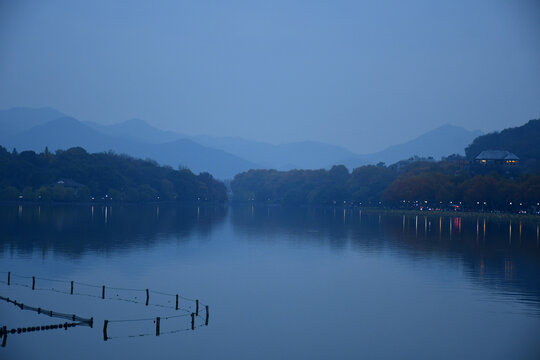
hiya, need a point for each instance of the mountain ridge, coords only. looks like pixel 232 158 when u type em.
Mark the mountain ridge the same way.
pixel 68 132
pixel 221 156
pixel 442 141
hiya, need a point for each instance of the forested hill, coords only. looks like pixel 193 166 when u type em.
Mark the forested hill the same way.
pixel 524 141
pixel 76 175
pixel 420 183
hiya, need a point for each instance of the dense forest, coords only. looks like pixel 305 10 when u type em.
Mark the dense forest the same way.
pixel 413 183
pixel 76 175
pixel 522 141
pixel 418 182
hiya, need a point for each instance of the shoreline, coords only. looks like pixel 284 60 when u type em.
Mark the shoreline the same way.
pixel 371 210
pixel 493 215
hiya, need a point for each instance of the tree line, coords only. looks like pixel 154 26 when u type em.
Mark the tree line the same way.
pixel 75 175
pixel 418 182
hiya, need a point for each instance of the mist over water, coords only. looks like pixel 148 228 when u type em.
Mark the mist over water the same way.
pixel 279 282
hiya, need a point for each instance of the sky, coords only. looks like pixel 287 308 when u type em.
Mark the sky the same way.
pixel 361 74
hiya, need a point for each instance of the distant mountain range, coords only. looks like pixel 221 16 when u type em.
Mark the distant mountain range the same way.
pixel 442 141
pixel 305 155
pixel 223 157
pixel 67 132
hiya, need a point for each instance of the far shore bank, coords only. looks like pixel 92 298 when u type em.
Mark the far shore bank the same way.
pixel 485 214
pixel 399 211
pixel 369 210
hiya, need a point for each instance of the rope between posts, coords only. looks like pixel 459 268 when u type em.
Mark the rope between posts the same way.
pixel 46 312
pixel 76 293
pixel 125 289
pixel 175 316
pixel 131 320
pixel 52 289
pixel 107 298
pixel 161 293
pixel 173 295
pixel 129 336
pixel 84 284
pixel 95 286
pixel 54 280
pixel 19 284
pixel 148 319
pixel 21 276
pixel 185 311
pixel 153 334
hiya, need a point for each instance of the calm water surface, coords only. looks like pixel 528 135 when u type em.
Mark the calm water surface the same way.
pixel 280 283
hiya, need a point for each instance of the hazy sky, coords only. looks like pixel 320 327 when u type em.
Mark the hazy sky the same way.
pixel 361 74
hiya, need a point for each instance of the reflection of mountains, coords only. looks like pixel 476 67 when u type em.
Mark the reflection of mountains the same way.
pixel 75 229
pixel 507 258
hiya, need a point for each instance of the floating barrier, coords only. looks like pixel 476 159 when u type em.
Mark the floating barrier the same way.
pixel 71 289
pixel 4 331
pixel 72 317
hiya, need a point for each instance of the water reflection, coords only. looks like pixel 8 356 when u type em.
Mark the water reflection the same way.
pixel 347 283
pixel 488 248
pixel 76 229
pixel 496 261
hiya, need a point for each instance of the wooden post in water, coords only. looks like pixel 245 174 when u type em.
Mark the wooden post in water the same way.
pixel 71 287
pixel 33 282
pixel 103 292
pixel 192 321
pixel 105 323
pixel 197 307
pixel 4 338
pixel 147 296
pixel 9 278
pixel 157 326
pixel 176 301
pixel 207 315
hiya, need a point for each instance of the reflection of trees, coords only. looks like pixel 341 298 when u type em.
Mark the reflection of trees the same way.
pixel 496 260
pixel 297 223
pixel 74 229
pixel 505 255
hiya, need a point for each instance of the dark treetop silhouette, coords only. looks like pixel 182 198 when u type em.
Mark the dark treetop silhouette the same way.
pixel 75 175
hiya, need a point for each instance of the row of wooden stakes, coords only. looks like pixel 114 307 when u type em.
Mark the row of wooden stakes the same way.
pixel 158 321
pixel 102 291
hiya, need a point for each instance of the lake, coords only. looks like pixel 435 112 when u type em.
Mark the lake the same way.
pixel 279 283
